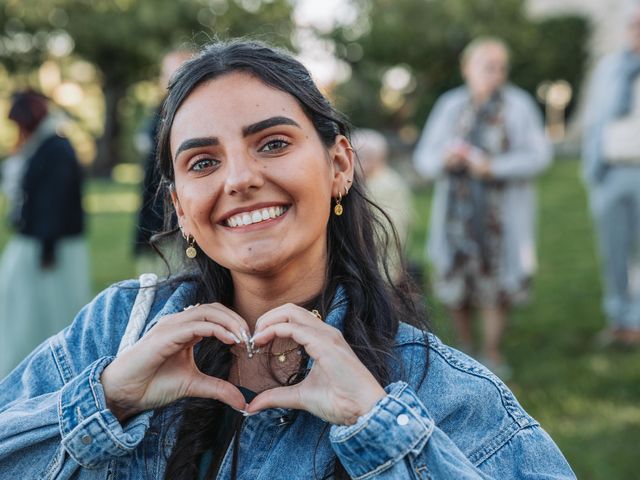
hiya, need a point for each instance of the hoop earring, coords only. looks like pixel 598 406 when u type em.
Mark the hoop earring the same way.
pixel 338 209
pixel 191 251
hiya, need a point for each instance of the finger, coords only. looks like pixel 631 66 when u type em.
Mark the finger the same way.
pixel 277 315
pixel 214 313
pixel 280 397
pixel 169 341
pixel 227 315
pixel 314 341
pixel 289 313
pixel 204 386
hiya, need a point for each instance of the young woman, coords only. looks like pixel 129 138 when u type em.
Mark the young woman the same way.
pixel 284 317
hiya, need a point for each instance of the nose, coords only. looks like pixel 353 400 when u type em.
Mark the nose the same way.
pixel 243 173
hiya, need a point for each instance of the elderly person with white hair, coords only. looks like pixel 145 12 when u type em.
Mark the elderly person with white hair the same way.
pixel 386 187
pixel 611 167
pixel 483 145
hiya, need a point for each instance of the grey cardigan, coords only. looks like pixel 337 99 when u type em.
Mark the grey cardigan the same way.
pixel 529 154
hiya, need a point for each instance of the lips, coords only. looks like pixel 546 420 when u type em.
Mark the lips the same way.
pixel 255 216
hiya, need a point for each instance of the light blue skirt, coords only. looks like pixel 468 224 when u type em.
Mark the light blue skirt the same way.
pixel 36 303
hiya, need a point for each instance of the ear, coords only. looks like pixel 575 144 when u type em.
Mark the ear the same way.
pixel 176 205
pixel 343 162
pixel 464 64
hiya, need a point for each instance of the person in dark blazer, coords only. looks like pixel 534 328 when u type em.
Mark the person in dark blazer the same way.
pixel 44 275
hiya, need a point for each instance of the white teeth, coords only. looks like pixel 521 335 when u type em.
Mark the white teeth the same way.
pixel 254 216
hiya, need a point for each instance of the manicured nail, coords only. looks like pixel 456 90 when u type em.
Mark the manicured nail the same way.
pixel 257 336
pixel 248 343
pixel 233 337
pixel 244 411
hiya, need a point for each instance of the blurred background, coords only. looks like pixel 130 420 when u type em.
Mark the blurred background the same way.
pixel 384 63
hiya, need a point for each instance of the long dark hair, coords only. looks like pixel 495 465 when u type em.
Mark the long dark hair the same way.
pixel 356 244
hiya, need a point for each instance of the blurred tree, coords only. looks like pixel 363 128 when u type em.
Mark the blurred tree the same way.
pixel 406 53
pixel 125 39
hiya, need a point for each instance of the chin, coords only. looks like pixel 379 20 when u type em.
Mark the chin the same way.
pixel 262 263
pixel 263 267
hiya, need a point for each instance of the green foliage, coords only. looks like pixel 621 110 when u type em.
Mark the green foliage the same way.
pixel 125 40
pixel 428 35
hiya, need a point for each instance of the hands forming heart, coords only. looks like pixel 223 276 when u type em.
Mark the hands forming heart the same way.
pixel 160 367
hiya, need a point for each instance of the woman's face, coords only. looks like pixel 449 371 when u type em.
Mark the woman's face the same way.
pixel 253 181
pixel 486 70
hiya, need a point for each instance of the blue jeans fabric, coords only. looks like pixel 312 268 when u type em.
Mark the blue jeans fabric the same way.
pixel 615 203
pixel 460 422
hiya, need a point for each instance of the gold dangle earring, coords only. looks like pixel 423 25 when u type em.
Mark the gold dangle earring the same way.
pixel 191 251
pixel 337 209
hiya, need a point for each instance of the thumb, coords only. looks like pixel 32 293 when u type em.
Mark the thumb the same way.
pixel 204 386
pixel 280 397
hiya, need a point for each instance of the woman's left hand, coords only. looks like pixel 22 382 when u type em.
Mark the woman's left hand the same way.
pixel 338 389
pixel 479 163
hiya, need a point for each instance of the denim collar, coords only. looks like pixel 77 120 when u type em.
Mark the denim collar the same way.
pixel 338 309
pixel 185 296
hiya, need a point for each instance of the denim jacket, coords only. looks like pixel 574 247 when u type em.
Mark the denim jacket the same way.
pixel 460 421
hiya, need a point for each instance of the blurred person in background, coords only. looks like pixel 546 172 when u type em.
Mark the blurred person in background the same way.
pixel 44 273
pixel 611 168
pixel 483 145
pixel 151 213
pixel 386 187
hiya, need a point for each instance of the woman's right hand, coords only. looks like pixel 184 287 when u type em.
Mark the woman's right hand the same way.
pixel 160 367
pixel 455 156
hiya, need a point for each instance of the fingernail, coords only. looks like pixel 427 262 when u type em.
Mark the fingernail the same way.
pixel 256 337
pixel 247 413
pixel 234 337
pixel 244 411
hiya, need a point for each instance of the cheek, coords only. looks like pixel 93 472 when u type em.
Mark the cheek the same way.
pixel 476 82
pixel 196 202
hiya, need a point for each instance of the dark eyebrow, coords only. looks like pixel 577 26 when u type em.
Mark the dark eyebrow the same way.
pixel 269 122
pixel 196 143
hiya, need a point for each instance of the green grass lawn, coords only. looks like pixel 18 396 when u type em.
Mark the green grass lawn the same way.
pixel 588 400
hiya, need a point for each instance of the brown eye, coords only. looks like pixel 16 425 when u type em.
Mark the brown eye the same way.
pixel 203 164
pixel 274 145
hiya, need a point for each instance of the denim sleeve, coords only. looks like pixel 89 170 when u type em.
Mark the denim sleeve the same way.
pixel 91 434
pixel 53 416
pixel 398 439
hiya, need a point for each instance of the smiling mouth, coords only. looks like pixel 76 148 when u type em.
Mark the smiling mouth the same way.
pixel 255 216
